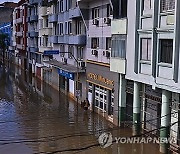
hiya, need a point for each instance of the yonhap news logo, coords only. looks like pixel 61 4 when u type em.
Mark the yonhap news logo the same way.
pixel 106 139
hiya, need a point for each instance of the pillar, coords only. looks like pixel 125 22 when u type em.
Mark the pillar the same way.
pixel 136 109
pixel 122 98
pixel 93 97
pixel 165 119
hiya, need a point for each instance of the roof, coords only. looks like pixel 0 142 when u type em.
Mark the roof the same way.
pixel 65 67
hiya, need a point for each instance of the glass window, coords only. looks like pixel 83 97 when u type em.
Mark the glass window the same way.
pixel 167 5
pixel 118 46
pixel 148 4
pixel 108 43
pixel 109 10
pixel 62 50
pixel 94 43
pixel 71 50
pixel 145 49
pixel 95 13
pixel 166 49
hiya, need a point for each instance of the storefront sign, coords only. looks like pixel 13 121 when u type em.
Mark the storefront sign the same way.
pixel 69 75
pixel 100 78
pixel 51 52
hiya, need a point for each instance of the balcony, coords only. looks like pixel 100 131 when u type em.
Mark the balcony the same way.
pixel 19 46
pixel 34 2
pixel 43 48
pixel 33 18
pixel 33 49
pixel 19 20
pixel 33 34
pixel 52 1
pixel 53 39
pixel 43 11
pixel 77 39
pixel 61 39
pixel 53 18
pixel 45 31
pixel 119 26
pixel 118 65
pixel 74 13
pixel 19 34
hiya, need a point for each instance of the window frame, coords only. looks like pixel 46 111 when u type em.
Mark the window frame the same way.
pixel 147 49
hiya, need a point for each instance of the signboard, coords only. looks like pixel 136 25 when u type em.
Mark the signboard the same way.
pixel 69 75
pixel 51 52
pixel 100 78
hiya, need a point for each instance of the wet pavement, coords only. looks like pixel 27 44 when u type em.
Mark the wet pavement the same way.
pixel 35 118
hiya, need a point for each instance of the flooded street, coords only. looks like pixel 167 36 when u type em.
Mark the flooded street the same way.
pixel 35 118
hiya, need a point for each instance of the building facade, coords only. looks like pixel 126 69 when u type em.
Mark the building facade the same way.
pixel 150 68
pixel 68 41
pixel 20 30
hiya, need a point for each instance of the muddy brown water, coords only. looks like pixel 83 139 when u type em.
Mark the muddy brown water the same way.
pixel 35 118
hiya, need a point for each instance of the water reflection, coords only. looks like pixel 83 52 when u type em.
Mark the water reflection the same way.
pixel 35 118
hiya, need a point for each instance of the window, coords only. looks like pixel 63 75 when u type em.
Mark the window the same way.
pixel 119 8
pixel 109 10
pixel 71 50
pixel 46 22
pixel 95 13
pixel 56 29
pixel 94 43
pixel 118 46
pixel 145 49
pixel 167 5
pixel 62 50
pixel 80 53
pixel 70 27
pixel 79 27
pixel 61 6
pixel 166 49
pixel 147 4
pixel 108 43
pixel 70 4
pixel 61 29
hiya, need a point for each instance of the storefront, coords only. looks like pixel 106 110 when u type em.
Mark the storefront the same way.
pixel 102 90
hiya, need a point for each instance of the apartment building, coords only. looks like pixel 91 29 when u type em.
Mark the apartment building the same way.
pixel 149 72
pixel 102 90
pixel 69 46
pixel 33 33
pixel 20 29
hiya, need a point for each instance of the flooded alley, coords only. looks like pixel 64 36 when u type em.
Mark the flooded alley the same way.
pixel 35 118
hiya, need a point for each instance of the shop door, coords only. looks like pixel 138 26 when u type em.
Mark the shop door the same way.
pixel 101 98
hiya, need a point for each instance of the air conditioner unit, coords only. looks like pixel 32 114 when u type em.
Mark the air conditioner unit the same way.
pixel 95 22
pixel 64 60
pixel 82 64
pixel 107 20
pixel 94 52
pixel 106 54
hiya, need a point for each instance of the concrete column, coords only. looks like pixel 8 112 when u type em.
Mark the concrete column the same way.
pixel 93 97
pixel 136 108
pixel 165 119
pixel 108 107
pixel 122 98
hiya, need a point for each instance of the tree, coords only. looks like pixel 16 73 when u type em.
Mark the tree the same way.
pixel 4 43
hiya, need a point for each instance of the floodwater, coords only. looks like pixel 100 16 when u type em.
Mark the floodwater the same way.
pixel 35 118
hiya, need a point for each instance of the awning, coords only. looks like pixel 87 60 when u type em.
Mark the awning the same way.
pixel 64 67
